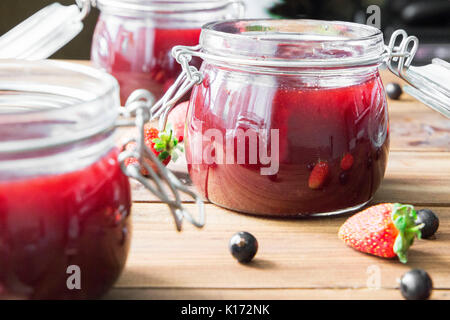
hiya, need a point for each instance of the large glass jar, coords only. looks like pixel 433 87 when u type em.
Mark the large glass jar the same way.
pixel 290 118
pixel 133 38
pixel 64 201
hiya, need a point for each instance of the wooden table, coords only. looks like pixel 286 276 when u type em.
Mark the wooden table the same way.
pixel 298 259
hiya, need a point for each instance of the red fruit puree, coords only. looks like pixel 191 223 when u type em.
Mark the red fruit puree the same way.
pixel 140 58
pixel 48 223
pixel 316 125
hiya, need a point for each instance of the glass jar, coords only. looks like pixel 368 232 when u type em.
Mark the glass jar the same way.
pixel 65 197
pixel 133 38
pixel 64 201
pixel 290 118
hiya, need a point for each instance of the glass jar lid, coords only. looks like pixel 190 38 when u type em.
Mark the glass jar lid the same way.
pixel 292 43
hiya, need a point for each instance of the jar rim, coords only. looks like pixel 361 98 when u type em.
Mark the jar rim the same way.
pixel 56 103
pixel 161 6
pixel 292 43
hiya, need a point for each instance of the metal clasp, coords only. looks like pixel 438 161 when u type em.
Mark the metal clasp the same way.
pixel 85 7
pixel 140 105
pixel 188 78
pixel 428 84
pixel 400 57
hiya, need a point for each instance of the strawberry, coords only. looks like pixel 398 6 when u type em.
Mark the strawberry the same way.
pixel 347 162
pixel 163 144
pixel 385 230
pixel 177 118
pixel 319 175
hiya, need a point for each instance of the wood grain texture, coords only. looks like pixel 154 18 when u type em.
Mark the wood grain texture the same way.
pixel 262 294
pixel 294 254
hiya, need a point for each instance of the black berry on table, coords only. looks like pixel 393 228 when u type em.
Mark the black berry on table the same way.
pixel 243 246
pixel 416 284
pixel 394 90
pixel 430 222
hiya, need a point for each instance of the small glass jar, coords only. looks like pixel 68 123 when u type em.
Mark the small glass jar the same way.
pixel 133 38
pixel 65 197
pixel 290 118
pixel 64 201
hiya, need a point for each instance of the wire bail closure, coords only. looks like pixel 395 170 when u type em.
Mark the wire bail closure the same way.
pixel 138 106
pixel 188 78
pixel 85 7
pixel 400 57
pixel 428 84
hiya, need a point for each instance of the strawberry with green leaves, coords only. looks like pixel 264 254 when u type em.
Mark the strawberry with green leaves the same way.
pixel 385 230
pixel 163 144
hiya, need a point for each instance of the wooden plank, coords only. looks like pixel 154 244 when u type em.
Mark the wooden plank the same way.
pixel 262 294
pixel 293 254
pixel 414 126
pixel 413 130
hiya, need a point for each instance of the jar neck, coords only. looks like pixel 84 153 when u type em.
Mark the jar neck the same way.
pixel 295 78
pixel 292 45
pixel 54 117
pixel 196 13
pixel 56 160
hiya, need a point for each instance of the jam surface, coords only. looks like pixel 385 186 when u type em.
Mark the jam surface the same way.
pixel 48 224
pixel 140 57
pixel 317 128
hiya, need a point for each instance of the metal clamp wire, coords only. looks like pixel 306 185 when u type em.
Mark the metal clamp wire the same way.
pixel 137 105
pixel 188 78
pixel 85 8
pixel 401 54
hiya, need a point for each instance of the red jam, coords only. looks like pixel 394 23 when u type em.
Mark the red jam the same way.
pixel 49 223
pixel 140 58
pixel 318 127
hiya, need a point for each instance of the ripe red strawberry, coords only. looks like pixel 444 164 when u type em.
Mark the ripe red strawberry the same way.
pixel 347 162
pixel 177 118
pixel 319 175
pixel 385 230
pixel 163 145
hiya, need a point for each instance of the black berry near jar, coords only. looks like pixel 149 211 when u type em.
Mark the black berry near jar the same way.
pixel 134 38
pixel 64 198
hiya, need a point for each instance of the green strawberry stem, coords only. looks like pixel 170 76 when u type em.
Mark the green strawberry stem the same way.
pixel 404 217
pixel 167 145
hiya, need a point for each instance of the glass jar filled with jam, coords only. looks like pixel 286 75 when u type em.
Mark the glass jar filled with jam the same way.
pixel 290 117
pixel 65 199
pixel 133 38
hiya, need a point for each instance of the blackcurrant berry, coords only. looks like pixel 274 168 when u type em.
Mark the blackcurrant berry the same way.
pixel 243 246
pixel 394 91
pixel 416 284
pixel 343 177
pixel 430 221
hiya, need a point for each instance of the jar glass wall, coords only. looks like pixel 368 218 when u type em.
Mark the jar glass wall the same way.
pixel 133 39
pixel 64 202
pixel 265 136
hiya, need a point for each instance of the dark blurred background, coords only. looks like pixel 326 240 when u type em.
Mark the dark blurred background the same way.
pixel 429 20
